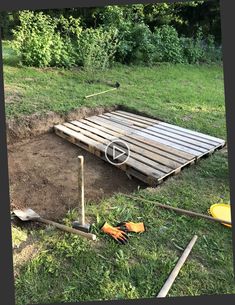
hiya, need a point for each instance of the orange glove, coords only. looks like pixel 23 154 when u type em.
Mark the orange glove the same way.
pixel 119 235
pixel 137 227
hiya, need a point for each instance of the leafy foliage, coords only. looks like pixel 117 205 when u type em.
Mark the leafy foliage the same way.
pixel 122 36
pixel 44 41
pixel 168 46
pixel 95 48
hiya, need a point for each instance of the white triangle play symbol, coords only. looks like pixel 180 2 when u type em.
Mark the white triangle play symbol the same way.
pixel 117 152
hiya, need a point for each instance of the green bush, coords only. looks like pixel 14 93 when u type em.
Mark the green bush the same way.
pixel 96 48
pixel 33 39
pixel 200 50
pixel 136 44
pixel 168 46
pixel 212 53
pixel 44 41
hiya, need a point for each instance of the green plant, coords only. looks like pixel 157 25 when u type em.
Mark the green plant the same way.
pixel 168 47
pixel 33 39
pixel 200 49
pixel 96 48
pixel 136 44
pixel 42 41
pixel 213 53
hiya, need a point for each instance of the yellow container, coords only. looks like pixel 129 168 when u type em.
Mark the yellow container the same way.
pixel 221 211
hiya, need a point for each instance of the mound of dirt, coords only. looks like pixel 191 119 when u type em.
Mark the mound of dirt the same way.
pixel 33 125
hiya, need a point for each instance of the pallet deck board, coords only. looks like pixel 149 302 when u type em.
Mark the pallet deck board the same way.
pixel 157 128
pixel 157 149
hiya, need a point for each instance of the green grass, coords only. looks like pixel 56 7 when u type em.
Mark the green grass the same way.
pixel 69 268
pixel 188 95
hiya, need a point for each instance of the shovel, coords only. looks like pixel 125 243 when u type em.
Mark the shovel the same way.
pixel 29 214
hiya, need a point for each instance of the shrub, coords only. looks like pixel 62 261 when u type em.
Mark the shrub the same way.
pixel 212 53
pixel 136 44
pixel 44 41
pixel 95 48
pixel 168 46
pixel 200 50
pixel 33 39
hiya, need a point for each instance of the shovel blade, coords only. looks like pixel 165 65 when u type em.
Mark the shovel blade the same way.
pixel 26 214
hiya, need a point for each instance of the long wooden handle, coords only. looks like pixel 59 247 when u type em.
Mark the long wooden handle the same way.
pixel 166 287
pixel 81 202
pixel 94 94
pixel 67 229
pixel 182 211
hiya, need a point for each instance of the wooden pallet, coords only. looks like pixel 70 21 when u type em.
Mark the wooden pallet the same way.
pixel 157 149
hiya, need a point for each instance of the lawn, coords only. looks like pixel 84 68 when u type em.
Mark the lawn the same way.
pixel 67 268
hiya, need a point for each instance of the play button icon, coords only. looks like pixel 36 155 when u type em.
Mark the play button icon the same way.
pixel 117 152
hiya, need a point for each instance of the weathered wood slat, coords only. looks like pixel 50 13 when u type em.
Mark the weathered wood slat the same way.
pixel 157 149
pixel 217 140
pixel 156 122
pixel 125 130
pixel 188 148
pixel 137 154
pixel 68 132
pixel 162 156
pixel 161 135
pixel 133 121
pixel 144 119
pixel 160 131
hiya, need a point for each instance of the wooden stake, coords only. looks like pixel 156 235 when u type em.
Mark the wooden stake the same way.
pixel 166 287
pixel 81 204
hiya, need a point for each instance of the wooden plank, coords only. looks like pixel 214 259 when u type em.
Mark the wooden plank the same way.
pixel 136 153
pixel 181 138
pixel 156 122
pixel 79 126
pixel 132 121
pixel 163 156
pixel 160 131
pixel 145 152
pixel 158 149
pixel 147 179
pixel 171 143
pixel 128 121
pixel 102 147
pixel 188 135
pixel 77 136
pixel 127 131
pixel 189 131
pixel 143 118
pixel 161 139
pixel 162 136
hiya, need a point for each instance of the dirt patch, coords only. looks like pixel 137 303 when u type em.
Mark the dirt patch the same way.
pixel 30 126
pixel 26 252
pixel 43 176
pixel 13 94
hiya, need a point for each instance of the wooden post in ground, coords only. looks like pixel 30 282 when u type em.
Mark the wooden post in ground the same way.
pixel 81 203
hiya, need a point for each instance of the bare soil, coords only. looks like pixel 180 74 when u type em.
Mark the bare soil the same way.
pixel 26 252
pixel 30 126
pixel 43 176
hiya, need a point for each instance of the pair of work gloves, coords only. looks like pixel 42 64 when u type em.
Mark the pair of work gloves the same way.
pixel 119 232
